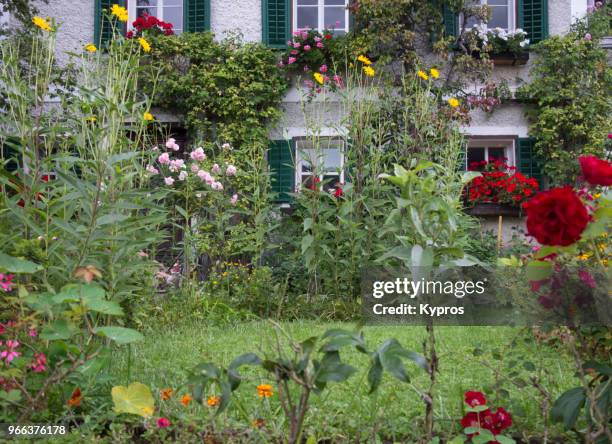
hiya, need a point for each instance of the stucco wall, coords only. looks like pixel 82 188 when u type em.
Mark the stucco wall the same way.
pixel 242 16
pixel 76 20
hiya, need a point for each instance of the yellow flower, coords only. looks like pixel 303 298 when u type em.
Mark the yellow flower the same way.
pixel 148 117
pixel 264 390
pixel 147 411
pixel 422 74
pixel 584 256
pixel 453 102
pixel 363 59
pixel 604 262
pixel 596 195
pixel 90 47
pixel 120 12
pixel 225 274
pixel 434 73
pixel 146 47
pixel 318 77
pixel 369 71
pixel 91 119
pixel 41 23
pixel 213 401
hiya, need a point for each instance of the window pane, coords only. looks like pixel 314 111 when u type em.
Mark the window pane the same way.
pixel 173 3
pixel 149 11
pixel 499 17
pixel 332 159
pixel 174 15
pixel 307 2
pixel 496 153
pixel 335 2
pixel 497 2
pixel 335 18
pixel 146 3
pixel 475 155
pixel 307 18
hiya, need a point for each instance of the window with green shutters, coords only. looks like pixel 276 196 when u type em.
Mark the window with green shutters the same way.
pixel 533 18
pixel 280 160
pixel 196 18
pixel 103 31
pixel 197 15
pixel 276 22
pixel 451 22
pixel 527 161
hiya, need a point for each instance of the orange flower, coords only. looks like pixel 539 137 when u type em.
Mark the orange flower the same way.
pixel 166 393
pixel 264 390
pixel 258 423
pixel 75 399
pixel 213 401
pixel 185 400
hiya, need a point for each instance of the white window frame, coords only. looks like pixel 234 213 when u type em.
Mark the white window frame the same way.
pixel 300 161
pixel 132 15
pixel 507 143
pixel 512 16
pixel 321 16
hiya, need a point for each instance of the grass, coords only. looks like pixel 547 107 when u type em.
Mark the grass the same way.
pixel 346 411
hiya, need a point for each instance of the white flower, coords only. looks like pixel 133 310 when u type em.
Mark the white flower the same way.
pixel 234 199
pixel 218 186
pixel 169 181
pixel 231 170
pixel 183 175
pixel 226 146
pixel 198 195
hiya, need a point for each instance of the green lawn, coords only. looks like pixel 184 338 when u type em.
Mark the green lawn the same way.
pixel 163 359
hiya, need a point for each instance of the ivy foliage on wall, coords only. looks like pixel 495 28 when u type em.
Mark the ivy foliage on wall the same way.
pixel 569 91
pixel 227 91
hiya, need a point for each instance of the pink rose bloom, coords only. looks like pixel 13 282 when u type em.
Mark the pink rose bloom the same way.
pixel 307 48
pixel 291 60
pixel 203 175
pixel 323 69
pixel 162 423
pixel 194 167
pixel 151 169
pixel 198 154
pixel 216 169
pixel 176 165
pixel 231 170
pixel 319 44
pixel 183 175
pixel 317 39
pixel 294 52
pixel 164 158
pixel 169 181
pixel 234 199
pixel 297 45
pixel 170 143
pixel 218 186
pixel 304 35
pixel 6 282
pixel 588 36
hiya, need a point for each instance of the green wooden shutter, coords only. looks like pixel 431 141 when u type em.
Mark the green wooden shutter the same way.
pixel 197 15
pixel 451 22
pixel 526 160
pixel 103 31
pixel 282 171
pixel 275 17
pixel 533 18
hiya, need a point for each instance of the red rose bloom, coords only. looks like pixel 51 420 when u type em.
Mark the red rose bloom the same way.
pixel 338 192
pixel 474 399
pixel 501 419
pixel 556 217
pixel 596 171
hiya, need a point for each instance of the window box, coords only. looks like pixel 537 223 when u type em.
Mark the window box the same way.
pixel 510 58
pixel 493 209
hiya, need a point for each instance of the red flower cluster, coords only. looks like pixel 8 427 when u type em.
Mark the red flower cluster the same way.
pixel 494 421
pixel 147 22
pixel 596 171
pixel 556 217
pixel 497 185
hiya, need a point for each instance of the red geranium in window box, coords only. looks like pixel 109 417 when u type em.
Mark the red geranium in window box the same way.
pixel 152 24
pixel 499 184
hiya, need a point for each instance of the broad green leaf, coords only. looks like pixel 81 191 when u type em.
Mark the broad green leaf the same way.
pixel 120 335
pixel 135 399
pixel 9 264
pixel 539 270
pixel 502 439
pixel 58 330
pixel 111 219
pixel 567 407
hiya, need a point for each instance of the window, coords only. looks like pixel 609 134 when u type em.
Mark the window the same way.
pixel 321 165
pixel 321 14
pixel 502 14
pixel 480 150
pixel 169 11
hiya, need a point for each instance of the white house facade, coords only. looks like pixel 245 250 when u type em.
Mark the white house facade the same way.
pixel 505 131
